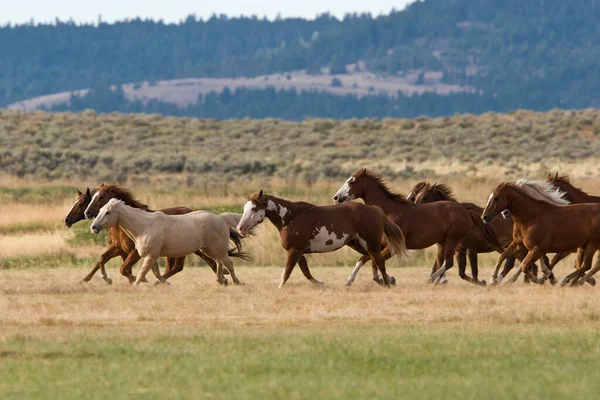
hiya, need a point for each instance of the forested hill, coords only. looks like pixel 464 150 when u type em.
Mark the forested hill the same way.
pixel 535 54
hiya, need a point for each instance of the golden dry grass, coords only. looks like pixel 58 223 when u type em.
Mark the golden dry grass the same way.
pixel 33 302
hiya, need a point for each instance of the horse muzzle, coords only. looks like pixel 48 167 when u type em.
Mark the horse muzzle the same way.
pixel 95 230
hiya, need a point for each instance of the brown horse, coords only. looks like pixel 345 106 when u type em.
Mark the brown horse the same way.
pixel 482 238
pixel 545 226
pixel 575 196
pixel 444 223
pixel 306 228
pixel 120 244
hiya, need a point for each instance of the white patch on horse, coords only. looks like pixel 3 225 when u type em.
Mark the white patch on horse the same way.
pixel 271 206
pixel 362 242
pixel 409 195
pixel 324 241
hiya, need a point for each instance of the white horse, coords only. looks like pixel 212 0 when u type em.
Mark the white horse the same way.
pixel 160 235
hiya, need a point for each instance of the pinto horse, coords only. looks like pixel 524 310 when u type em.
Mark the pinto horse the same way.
pixel 307 228
pixel 481 239
pixel 545 226
pixel 157 234
pixel 444 223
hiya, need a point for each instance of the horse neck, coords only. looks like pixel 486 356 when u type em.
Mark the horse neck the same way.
pixel 282 213
pixel 575 195
pixel 374 195
pixel 523 208
pixel 133 221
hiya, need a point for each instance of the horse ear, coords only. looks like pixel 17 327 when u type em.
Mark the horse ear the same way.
pixel 102 184
pixel 260 194
pixel 88 193
pixel 79 193
pixel 362 172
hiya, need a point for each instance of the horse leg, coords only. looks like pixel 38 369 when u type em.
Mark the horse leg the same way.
pixel 592 272
pixel 293 257
pixel 449 249
pixel 534 254
pixel 377 258
pixel 303 264
pixel 362 261
pixel 508 255
pixel 578 265
pixel 461 258
pixel 149 262
pixel 112 252
pixel 176 268
pixel 157 274
pixel 211 263
pixel 229 266
pixel 169 265
pixel 129 262
pixel 437 264
pixel 472 254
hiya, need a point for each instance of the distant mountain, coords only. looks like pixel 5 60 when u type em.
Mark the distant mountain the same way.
pixel 494 54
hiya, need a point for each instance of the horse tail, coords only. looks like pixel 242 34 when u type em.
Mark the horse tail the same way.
pixel 488 233
pixel 393 235
pixel 236 238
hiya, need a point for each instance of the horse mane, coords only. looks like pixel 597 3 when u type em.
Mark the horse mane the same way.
pixel 543 191
pixel 380 182
pixel 126 196
pixel 445 190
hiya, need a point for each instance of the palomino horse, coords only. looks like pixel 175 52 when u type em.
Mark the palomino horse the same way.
pixel 444 223
pixel 157 234
pixel 482 238
pixel 545 226
pixel 120 244
pixel 306 228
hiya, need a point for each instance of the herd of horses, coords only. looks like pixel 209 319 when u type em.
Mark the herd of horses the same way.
pixel 524 220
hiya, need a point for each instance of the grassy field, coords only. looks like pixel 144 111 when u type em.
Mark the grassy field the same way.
pixel 63 339
pixel 195 339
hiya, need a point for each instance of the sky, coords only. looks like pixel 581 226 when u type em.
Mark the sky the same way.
pixel 21 11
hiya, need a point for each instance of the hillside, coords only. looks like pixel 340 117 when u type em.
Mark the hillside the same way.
pixel 191 152
pixel 537 55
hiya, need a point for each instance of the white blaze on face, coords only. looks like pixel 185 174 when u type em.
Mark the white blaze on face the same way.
pixel 489 200
pixel 106 217
pixel 324 241
pixel 91 202
pixel 344 192
pixel 73 206
pixel 250 218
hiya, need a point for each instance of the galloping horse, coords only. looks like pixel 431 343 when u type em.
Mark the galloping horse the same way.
pixel 444 223
pixel 157 234
pixel 545 226
pixel 482 238
pixel 120 244
pixel 306 228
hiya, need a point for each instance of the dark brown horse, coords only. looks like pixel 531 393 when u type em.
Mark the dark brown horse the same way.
pixel 120 244
pixel 306 228
pixel 547 223
pixel 444 223
pixel 482 238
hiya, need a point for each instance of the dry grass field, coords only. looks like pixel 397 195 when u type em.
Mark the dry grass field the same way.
pixel 63 339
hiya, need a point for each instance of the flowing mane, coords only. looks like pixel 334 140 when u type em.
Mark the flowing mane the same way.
pixel 565 181
pixel 444 190
pixel 126 196
pixel 543 191
pixel 380 182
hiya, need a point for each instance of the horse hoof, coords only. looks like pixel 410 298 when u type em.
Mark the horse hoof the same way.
pixel 392 281
pixel 591 281
pixel 348 283
pixel 482 283
pixel 108 281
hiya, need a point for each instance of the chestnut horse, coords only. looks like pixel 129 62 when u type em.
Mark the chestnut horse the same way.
pixel 306 228
pixel 482 238
pixel 444 223
pixel 545 226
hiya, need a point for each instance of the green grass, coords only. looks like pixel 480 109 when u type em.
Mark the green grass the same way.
pixel 338 362
pixel 83 237
pixel 47 261
pixel 36 194
pixel 28 227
